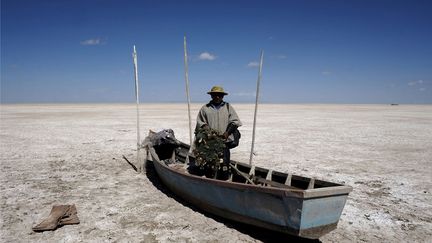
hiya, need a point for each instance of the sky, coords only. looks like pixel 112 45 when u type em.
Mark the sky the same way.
pixel 323 51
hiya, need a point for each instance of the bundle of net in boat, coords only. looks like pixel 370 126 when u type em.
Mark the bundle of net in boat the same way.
pixel 209 147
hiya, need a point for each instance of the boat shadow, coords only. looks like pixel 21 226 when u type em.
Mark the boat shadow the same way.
pixel 261 234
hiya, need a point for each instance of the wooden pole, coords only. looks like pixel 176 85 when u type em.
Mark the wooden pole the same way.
pixel 187 90
pixel 256 107
pixel 135 61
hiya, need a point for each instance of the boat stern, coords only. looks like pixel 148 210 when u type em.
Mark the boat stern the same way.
pixel 321 210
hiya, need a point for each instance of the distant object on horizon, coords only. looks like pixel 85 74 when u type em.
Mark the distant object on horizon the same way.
pixel 394 104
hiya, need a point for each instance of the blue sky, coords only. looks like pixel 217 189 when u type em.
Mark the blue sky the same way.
pixel 356 51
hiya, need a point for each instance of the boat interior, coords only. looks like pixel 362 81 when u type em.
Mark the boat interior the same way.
pixel 175 156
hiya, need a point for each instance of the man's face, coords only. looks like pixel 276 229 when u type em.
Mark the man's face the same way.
pixel 217 98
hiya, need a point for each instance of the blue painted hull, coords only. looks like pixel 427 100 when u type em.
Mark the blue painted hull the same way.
pixel 307 213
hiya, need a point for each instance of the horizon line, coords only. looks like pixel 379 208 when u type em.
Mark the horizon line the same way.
pixel 178 102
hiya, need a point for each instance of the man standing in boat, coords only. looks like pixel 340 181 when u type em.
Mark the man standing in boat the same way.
pixel 221 117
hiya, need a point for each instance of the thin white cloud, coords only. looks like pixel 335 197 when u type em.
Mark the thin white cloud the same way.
pixel 253 64
pixel 326 72
pixel 245 94
pixel 206 56
pixel 422 89
pixel 418 82
pixel 91 42
pixel 281 57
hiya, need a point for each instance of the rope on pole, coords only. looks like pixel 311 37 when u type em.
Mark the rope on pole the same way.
pixel 135 61
pixel 187 91
pixel 256 107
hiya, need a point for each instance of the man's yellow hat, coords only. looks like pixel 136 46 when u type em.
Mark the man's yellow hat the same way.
pixel 217 89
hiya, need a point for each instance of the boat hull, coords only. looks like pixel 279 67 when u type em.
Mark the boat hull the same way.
pixel 304 213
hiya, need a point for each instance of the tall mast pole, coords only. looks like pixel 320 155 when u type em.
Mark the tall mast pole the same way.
pixel 256 107
pixel 135 61
pixel 187 91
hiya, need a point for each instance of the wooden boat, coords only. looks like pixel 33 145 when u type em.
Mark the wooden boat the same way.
pixel 283 202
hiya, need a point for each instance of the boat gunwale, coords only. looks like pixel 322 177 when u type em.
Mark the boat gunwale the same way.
pixel 283 192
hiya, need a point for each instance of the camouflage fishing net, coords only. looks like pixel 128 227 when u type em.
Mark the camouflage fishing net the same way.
pixel 209 148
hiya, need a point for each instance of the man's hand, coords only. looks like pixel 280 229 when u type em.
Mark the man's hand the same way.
pixel 225 135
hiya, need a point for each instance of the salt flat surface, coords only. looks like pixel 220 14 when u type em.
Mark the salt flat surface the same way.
pixel 64 154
